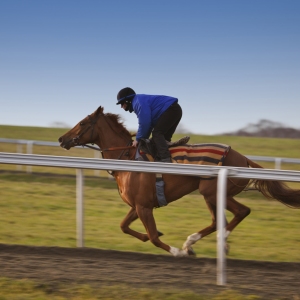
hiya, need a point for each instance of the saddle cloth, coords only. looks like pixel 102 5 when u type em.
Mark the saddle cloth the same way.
pixel 201 154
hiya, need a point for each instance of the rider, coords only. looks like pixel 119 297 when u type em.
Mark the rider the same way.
pixel 157 114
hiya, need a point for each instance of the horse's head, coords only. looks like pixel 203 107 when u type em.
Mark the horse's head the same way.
pixel 82 133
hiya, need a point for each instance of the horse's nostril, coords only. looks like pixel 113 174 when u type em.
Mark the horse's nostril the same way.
pixel 60 139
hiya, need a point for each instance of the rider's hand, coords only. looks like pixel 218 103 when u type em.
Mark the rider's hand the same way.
pixel 135 143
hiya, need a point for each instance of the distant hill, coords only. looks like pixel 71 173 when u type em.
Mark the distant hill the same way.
pixel 266 128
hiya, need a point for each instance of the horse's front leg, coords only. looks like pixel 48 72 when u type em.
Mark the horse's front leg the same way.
pixel 130 217
pixel 147 218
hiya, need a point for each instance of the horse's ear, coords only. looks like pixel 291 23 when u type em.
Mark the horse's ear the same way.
pixel 99 110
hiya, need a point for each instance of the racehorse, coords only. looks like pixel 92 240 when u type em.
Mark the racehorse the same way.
pixel 138 189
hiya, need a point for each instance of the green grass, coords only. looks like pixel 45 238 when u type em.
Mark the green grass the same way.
pixel 255 145
pixel 46 211
pixel 31 133
pixel 29 290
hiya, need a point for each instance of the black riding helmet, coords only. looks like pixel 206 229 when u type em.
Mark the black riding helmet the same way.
pixel 125 96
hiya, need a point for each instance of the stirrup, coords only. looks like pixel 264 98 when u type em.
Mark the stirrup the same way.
pixel 180 142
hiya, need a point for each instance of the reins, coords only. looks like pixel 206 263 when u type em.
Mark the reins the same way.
pixel 118 148
pixel 108 149
pixel 112 149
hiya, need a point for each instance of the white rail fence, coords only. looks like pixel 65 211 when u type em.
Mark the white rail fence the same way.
pixel 152 167
pixel 29 150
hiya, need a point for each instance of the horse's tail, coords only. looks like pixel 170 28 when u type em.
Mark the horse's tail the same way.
pixel 273 189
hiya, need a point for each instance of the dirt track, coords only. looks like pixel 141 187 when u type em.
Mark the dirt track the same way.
pixel 96 267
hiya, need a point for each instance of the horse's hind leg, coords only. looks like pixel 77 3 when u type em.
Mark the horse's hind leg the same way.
pixel 239 211
pixel 193 238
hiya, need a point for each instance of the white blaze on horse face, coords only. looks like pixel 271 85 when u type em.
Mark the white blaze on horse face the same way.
pixel 191 239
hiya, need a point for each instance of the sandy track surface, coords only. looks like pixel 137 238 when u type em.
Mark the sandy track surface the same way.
pixel 55 265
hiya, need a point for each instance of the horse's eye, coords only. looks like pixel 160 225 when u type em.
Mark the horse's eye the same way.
pixel 81 123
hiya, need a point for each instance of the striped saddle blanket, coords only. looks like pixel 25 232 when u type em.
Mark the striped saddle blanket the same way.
pixel 201 154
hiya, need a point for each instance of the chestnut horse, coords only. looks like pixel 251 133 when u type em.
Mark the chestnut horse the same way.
pixel 138 189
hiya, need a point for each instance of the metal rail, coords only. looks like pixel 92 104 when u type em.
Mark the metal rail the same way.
pixel 141 166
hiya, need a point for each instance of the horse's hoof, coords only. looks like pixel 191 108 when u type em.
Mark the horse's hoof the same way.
pixel 190 251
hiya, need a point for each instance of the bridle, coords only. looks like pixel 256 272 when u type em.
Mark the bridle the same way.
pixel 93 122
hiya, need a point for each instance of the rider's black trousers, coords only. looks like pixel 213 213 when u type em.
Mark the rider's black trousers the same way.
pixel 165 128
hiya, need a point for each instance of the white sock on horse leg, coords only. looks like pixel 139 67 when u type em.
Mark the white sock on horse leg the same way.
pixel 192 239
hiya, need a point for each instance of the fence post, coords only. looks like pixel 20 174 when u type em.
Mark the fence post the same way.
pixel 79 207
pixel 278 163
pixel 97 155
pixel 221 204
pixel 29 151
pixel 19 150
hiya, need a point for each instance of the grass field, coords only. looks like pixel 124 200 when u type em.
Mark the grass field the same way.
pixel 29 290
pixel 48 204
pixel 39 209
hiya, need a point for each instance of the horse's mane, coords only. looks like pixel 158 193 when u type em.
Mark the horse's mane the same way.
pixel 116 119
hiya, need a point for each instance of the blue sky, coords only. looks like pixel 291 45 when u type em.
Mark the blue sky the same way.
pixel 230 63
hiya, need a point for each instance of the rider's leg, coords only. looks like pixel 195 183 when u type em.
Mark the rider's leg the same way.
pixel 164 130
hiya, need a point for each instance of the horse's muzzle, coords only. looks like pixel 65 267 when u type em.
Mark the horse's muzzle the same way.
pixel 64 144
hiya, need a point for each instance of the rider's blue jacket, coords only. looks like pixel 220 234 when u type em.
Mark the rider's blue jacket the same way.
pixel 148 109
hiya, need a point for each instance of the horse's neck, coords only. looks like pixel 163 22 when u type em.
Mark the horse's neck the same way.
pixel 110 137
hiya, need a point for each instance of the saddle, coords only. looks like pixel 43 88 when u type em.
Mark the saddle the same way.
pixel 147 145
